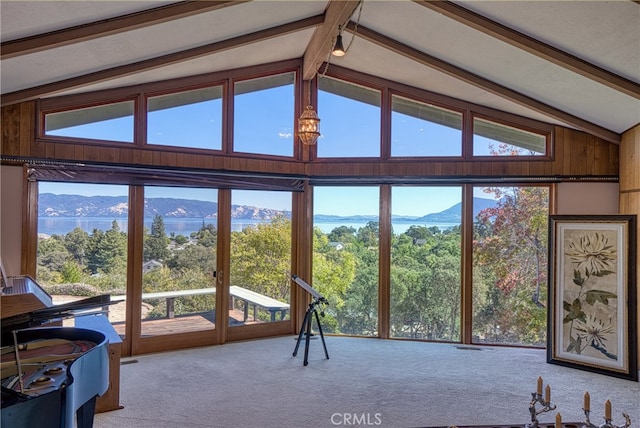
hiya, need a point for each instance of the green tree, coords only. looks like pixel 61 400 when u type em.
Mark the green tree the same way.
pixel 180 239
pixel 261 258
pixel 156 243
pixel 72 272
pixel 196 258
pixel 207 235
pixel 333 274
pixel 510 253
pixel 368 235
pixel 108 250
pixel 425 285
pixel 52 256
pixel 418 232
pixel 344 234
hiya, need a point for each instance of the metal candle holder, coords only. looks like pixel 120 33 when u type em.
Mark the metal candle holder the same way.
pixel 607 422
pixel 547 406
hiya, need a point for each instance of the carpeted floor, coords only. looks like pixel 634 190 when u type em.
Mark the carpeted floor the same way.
pixel 366 382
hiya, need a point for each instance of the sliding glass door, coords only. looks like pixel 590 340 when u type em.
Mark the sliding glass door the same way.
pixel 179 260
pixel 260 257
pixel 82 243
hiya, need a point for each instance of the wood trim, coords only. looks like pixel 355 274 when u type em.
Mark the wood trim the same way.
pixel 180 84
pixel 168 342
pixel 484 84
pixel 384 264
pixel 131 344
pixel 466 291
pixel 336 14
pixel 223 255
pixel 302 256
pixel 161 61
pixel 533 46
pixel 255 331
pixel 29 256
pixel 109 26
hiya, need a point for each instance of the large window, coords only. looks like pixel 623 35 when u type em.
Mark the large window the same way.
pixel 420 129
pixel 510 265
pixel 264 115
pixel 369 159
pixel 179 260
pixel 111 122
pixel 350 120
pixel 186 119
pixel 260 275
pixel 82 243
pixel 496 139
pixel 346 257
pixel 426 262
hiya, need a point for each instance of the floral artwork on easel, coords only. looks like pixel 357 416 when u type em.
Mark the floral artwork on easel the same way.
pixel 590 293
pixel 592 301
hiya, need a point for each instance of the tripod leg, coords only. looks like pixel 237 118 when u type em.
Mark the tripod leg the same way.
pixel 308 338
pixel 304 323
pixel 324 345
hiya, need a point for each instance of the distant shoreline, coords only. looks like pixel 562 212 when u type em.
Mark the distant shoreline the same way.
pixel 185 226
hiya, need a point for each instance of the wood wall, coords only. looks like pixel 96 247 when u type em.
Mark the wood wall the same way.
pixel 575 154
pixel 630 191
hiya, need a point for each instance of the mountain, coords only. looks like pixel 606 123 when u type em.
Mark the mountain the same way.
pixel 51 205
pixel 454 213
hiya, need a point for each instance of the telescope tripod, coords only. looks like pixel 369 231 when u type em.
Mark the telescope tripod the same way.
pixel 306 323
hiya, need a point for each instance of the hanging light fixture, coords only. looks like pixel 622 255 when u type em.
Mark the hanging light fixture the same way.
pixel 338 48
pixel 309 123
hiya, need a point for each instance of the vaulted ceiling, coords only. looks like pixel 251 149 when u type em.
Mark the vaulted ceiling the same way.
pixel 572 63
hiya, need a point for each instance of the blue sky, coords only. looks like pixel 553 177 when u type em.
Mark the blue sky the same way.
pixel 408 201
pixel 264 121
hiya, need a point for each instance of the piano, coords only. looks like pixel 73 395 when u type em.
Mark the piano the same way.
pixel 51 375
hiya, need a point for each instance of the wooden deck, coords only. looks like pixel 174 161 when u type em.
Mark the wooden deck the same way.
pixel 184 323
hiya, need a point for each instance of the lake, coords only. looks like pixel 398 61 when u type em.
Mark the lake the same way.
pixel 185 226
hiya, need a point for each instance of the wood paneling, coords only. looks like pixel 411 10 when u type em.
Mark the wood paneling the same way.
pixel 576 154
pixel 630 190
pixel 630 161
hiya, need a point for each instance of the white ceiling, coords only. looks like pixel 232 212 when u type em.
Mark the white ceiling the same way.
pixel 605 34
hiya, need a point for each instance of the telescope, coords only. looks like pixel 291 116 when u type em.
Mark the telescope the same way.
pixel 309 289
pixel 305 328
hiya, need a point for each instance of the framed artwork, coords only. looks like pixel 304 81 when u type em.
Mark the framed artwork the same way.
pixel 592 294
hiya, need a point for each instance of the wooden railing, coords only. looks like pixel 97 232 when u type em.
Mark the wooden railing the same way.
pixel 248 297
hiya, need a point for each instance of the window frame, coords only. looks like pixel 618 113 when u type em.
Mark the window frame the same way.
pixel 463 112
pixel 43 111
pixel 144 119
pixel 547 133
pixel 229 109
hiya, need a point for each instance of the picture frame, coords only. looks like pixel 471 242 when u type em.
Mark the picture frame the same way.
pixel 592 294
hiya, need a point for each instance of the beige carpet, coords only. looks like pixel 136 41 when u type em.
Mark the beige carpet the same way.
pixel 366 382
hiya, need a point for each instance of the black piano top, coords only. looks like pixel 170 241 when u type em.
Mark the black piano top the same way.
pixel 41 316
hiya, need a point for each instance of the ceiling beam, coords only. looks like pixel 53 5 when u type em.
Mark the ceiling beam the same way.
pixel 533 46
pixel 337 13
pixel 161 61
pixel 105 27
pixel 485 84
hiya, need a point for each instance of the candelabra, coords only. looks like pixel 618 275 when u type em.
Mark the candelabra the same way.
pixel 607 416
pixel 547 406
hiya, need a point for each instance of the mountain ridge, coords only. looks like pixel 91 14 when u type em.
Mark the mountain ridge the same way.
pixel 51 205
